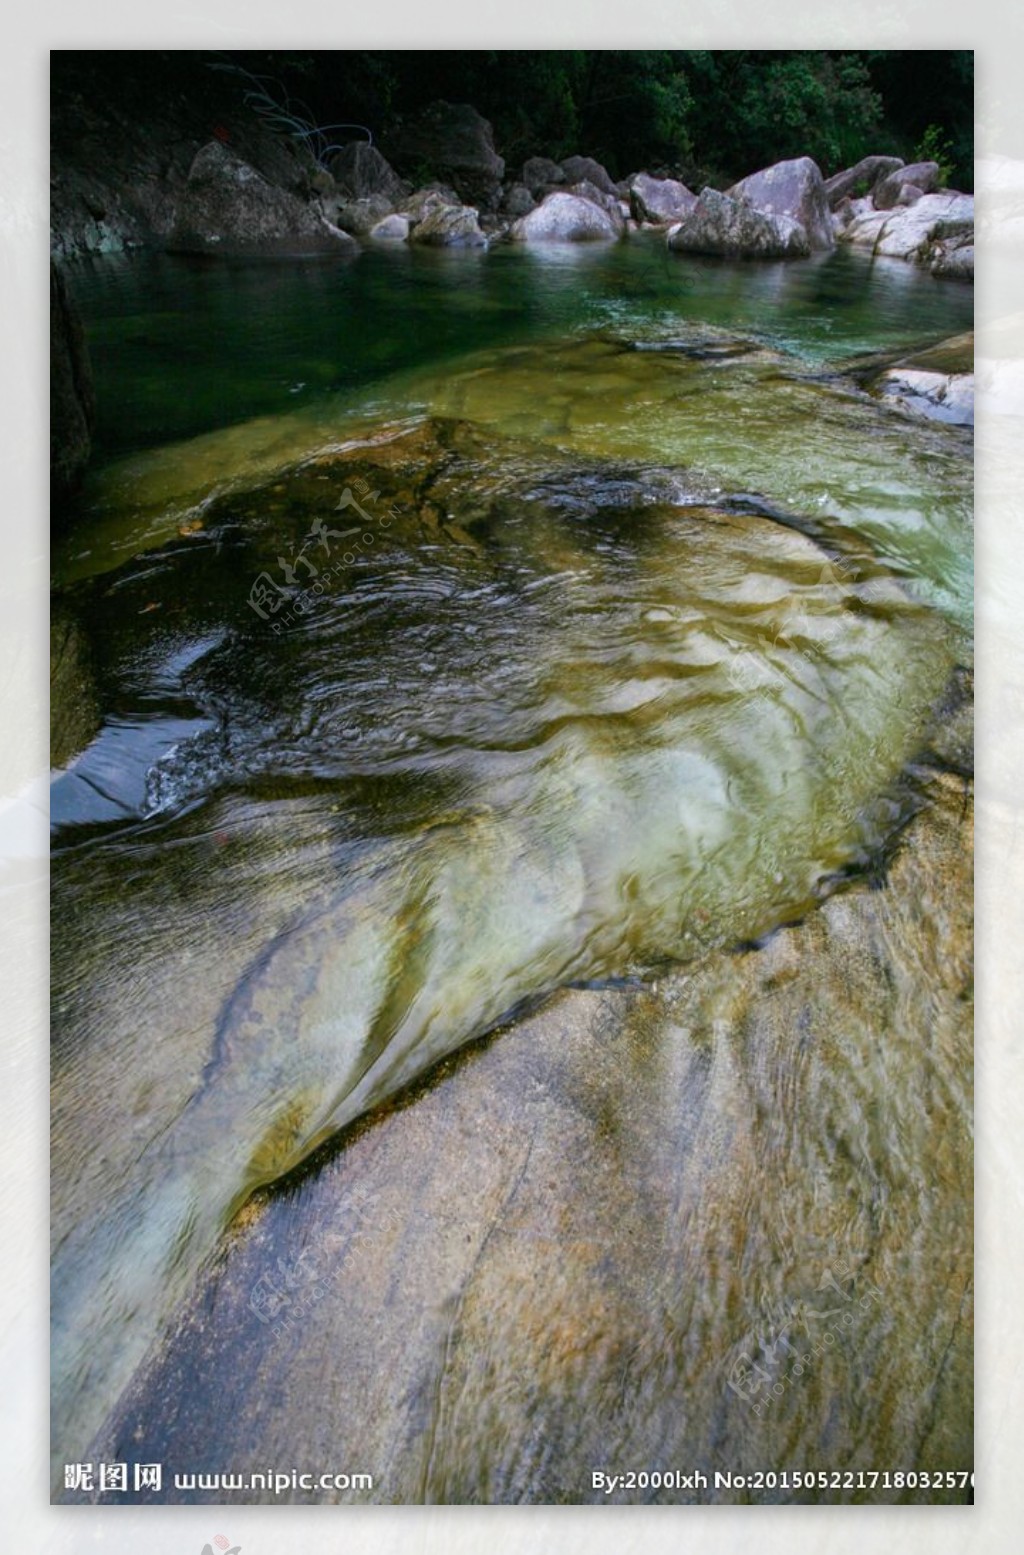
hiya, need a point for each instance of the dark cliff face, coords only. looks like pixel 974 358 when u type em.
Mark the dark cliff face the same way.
pixel 72 402
pixel 125 128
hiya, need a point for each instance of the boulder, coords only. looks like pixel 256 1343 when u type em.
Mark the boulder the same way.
pixel 360 170
pixel 72 401
pixel 361 216
pixel 578 169
pixel 906 232
pixel 540 173
pixel 729 228
pixel 659 200
pixel 909 194
pixel 793 189
pixel 450 226
pixel 956 263
pixel 565 218
pixel 457 144
pixel 230 209
pixel 392 229
pixel 935 396
pixel 609 203
pixel 923 175
pixel 431 198
pixel 862 176
pixel 517 201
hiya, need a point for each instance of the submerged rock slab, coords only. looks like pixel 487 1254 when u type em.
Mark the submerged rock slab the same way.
pixel 553 698
pixel 718 1222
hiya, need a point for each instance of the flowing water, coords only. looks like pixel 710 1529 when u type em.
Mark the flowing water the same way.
pixel 463 627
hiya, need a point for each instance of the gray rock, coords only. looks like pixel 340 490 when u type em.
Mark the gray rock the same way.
pixel 359 170
pixel 450 226
pixel 430 198
pixel 361 216
pixel 565 218
pixel 578 169
pixel 457 144
pixel 72 400
pixel 230 209
pixel 609 203
pixel 731 229
pixel 659 200
pixel 863 176
pixel 794 189
pixel 517 201
pixel 909 194
pixel 956 263
pixel 540 173
pixel 935 396
pixel 907 232
pixel 923 175
pixel 392 229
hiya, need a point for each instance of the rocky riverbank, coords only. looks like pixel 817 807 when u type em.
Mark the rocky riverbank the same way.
pixel 207 173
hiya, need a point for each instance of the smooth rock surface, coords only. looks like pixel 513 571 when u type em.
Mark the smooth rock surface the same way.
pixel 565 218
pixel 659 200
pixel 747 1187
pixel 793 189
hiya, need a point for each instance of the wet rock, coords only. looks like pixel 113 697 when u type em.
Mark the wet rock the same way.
pixel 457 144
pixel 227 208
pixel 936 384
pixel 450 226
pixel 72 399
pixel 729 228
pixel 937 396
pixel 723 1218
pixel 922 175
pixel 360 170
pixel 577 170
pixel 793 189
pixel 659 200
pixel 859 179
pixel 565 218
pixel 392 229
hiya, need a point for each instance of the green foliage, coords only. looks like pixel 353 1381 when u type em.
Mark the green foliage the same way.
pixel 936 146
pixel 708 115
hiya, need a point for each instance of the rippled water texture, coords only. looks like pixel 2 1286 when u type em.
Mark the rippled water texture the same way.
pixel 617 630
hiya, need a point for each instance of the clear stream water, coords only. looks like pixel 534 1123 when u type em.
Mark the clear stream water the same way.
pixel 648 608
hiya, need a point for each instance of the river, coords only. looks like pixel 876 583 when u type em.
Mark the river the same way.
pixel 462 628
